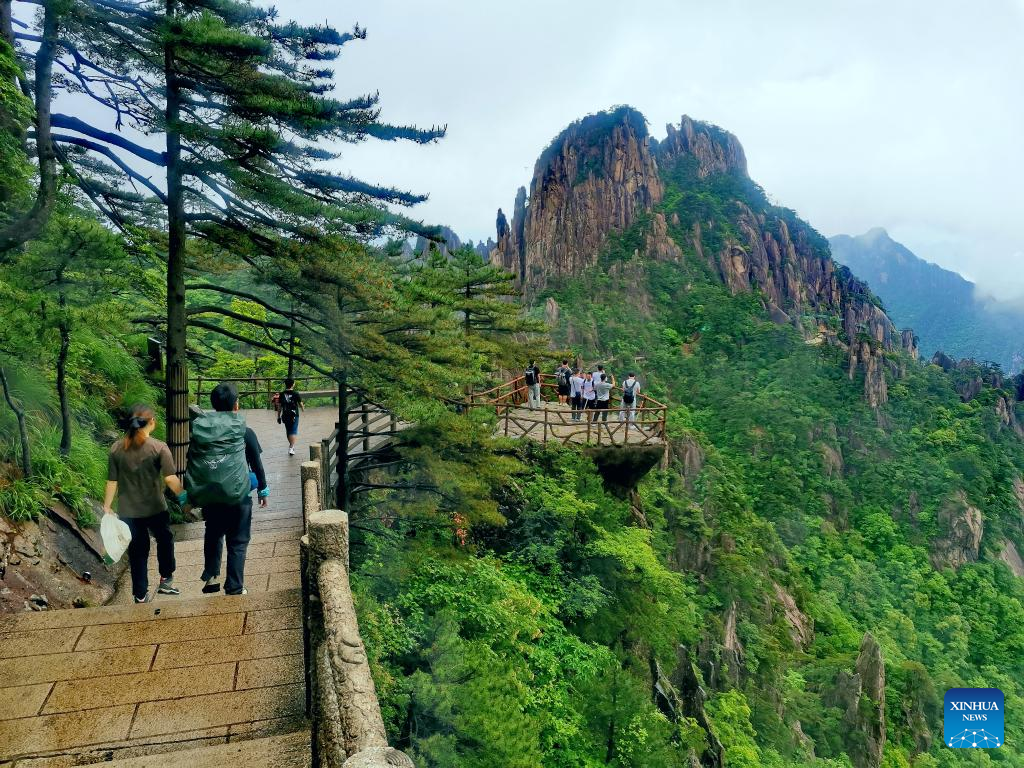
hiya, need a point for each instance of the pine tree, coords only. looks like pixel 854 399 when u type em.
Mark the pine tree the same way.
pixel 485 301
pixel 244 104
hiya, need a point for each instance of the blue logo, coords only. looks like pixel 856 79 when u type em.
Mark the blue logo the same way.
pixel 973 718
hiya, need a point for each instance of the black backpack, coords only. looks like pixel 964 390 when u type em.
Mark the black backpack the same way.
pixel 563 376
pixel 627 393
pixel 531 377
pixel 289 404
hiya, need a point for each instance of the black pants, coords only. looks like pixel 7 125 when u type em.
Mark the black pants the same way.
pixel 138 549
pixel 233 523
pixel 600 405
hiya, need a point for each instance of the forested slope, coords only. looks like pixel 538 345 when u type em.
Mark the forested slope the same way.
pixel 823 556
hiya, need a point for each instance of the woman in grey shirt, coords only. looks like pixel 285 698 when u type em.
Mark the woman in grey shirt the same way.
pixel 138 469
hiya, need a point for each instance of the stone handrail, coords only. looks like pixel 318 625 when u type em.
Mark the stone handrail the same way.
pixel 341 699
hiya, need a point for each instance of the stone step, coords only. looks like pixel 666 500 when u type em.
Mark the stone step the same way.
pixel 292 750
pixel 123 681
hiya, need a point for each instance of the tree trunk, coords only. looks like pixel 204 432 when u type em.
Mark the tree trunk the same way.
pixel 6 23
pixel 176 381
pixel 19 413
pixel 29 226
pixel 62 369
pixel 291 344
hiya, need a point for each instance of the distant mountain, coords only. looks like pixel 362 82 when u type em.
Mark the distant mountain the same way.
pixel 941 306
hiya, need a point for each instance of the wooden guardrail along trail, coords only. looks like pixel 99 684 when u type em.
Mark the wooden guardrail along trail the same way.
pixel 554 422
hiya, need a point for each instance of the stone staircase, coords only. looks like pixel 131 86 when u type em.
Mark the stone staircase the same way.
pixel 193 680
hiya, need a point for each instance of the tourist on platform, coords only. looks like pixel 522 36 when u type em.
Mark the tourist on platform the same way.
pixel 576 394
pixel 532 377
pixel 630 398
pixel 139 467
pixel 589 393
pixel 603 388
pixel 563 374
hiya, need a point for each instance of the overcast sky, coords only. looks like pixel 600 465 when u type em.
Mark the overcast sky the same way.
pixel 904 114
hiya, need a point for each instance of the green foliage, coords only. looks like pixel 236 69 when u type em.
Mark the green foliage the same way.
pixel 804 486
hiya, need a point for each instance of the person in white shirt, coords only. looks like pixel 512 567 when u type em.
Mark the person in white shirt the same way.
pixel 576 394
pixel 630 398
pixel 589 393
pixel 603 388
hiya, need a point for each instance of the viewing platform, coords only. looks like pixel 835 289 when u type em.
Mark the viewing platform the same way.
pixel 622 425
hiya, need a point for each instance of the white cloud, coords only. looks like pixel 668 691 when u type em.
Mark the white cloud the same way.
pixel 857 113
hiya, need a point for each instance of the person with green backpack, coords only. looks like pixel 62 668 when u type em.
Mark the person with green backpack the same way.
pixel 222 453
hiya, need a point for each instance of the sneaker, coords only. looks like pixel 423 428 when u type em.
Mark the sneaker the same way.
pixel 211 585
pixel 291 451
pixel 167 587
pixel 145 599
pixel 243 592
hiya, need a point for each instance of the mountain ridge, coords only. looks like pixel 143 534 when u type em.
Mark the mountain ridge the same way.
pixel 943 307
pixel 603 174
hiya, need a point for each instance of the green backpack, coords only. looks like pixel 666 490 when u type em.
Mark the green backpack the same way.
pixel 217 472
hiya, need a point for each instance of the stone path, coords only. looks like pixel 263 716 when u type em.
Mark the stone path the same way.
pixel 197 681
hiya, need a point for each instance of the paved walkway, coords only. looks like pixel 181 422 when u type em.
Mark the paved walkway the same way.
pixel 197 681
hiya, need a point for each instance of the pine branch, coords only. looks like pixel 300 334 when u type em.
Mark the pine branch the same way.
pixel 262 345
pixel 80 126
pixel 253 298
pixel 109 154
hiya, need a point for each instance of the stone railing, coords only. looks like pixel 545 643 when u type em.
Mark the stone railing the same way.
pixel 341 699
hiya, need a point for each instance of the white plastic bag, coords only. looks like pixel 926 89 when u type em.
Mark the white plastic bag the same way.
pixel 116 536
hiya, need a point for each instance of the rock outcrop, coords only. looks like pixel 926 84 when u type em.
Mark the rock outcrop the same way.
pixel 861 697
pixel 962 526
pixel 597 177
pixel 801 626
pixel 716 150
pixel 732 648
pixel 602 175
pixel 682 695
pixel 1009 555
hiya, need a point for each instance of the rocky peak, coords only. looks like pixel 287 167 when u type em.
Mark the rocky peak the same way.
pixel 715 150
pixel 596 177
pixel 602 175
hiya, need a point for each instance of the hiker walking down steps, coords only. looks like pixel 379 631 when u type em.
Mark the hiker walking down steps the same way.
pixel 288 404
pixel 139 467
pixel 223 459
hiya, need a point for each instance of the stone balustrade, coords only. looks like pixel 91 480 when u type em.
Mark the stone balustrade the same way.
pixel 348 730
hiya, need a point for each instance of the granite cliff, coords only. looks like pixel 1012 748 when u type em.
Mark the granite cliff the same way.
pixel 604 176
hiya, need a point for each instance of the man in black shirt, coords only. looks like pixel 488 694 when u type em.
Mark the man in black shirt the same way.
pixel 232 521
pixel 289 402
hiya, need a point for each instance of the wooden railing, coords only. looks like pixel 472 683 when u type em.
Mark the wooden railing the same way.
pixel 258 391
pixel 641 423
pixel 341 698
